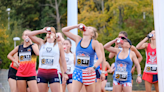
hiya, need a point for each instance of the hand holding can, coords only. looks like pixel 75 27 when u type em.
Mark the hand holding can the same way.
pixel 82 27
pixel 119 41
pixel 27 39
pixel 150 35
pixel 48 29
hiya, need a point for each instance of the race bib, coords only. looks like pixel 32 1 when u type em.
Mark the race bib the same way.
pixel 121 76
pixel 83 60
pixel 24 56
pixel 68 69
pixel 47 61
pixel 151 68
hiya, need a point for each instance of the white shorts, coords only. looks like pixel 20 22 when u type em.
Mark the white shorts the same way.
pixel 124 84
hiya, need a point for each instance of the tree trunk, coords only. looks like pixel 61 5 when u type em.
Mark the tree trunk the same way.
pixel 57 16
pixel 120 16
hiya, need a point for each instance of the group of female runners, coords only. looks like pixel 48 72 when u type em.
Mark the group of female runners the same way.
pixel 82 71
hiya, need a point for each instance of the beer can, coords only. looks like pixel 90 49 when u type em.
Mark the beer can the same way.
pixel 150 35
pixel 27 39
pixel 48 29
pixel 82 27
pixel 57 36
pixel 119 41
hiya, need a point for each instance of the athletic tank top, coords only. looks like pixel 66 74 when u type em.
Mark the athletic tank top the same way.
pixel 49 56
pixel 84 56
pixel 27 60
pixel 95 60
pixel 151 61
pixel 123 68
pixel 106 74
pixel 59 70
pixel 69 57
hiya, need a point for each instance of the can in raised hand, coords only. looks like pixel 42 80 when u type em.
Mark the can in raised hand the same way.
pixel 82 27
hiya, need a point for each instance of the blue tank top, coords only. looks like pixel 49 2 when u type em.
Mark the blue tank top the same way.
pixel 84 56
pixel 123 69
pixel 95 60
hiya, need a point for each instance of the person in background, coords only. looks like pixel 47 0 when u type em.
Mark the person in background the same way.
pixel 123 65
pixel 12 74
pixel 27 54
pixel 133 48
pixel 70 60
pixel 150 74
pixel 107 70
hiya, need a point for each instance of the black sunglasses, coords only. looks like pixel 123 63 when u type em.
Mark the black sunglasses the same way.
pixel 123 38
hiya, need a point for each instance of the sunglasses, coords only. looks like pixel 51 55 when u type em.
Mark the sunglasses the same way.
pixel 123 38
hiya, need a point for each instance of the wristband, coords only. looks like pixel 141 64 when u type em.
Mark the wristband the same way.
pixel 65 72
pixel 104 72
pixel 139 75
pixel 94 67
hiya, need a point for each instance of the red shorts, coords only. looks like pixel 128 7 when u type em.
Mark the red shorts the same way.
pixel 152 78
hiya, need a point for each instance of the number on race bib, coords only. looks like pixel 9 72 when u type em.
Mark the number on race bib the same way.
pixel 24 56
pixel 121 76
pixel 151 68
pixel 83 60
pixel 47 61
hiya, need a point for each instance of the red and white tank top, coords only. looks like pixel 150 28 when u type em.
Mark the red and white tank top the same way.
pixel 151 61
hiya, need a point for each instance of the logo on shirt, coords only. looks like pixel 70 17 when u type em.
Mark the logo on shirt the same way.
pixel 48 49
pixel 153 57
pixel 121 67
pixel 56 79
pixel 29 49
pixel 38 79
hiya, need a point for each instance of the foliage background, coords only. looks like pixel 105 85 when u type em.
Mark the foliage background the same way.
pixel 108 16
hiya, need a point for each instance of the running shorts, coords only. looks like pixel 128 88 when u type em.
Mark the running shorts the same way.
pixel 47 76
pixel 12 73
pixel 69 79
pixel 26 78
pixel 152 78
pixel 83 76
pixel 123 84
